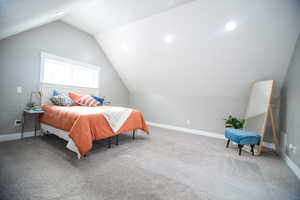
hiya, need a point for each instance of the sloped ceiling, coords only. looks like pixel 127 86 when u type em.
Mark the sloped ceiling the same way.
pixel 17 16
pixel 102 15
pixel 92 16
pixel 200 58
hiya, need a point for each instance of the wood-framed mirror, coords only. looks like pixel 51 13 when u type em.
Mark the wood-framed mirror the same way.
pixel 259 110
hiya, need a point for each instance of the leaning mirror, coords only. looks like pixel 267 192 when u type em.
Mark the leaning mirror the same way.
pixel 259 108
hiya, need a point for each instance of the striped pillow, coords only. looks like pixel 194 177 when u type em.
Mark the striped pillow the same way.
pixel 87 100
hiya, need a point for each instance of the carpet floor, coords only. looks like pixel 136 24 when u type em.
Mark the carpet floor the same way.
pixel 165 165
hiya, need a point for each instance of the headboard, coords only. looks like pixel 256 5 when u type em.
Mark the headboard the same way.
pixel 47 91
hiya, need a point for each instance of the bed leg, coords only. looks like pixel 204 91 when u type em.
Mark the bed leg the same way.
pixel 117 139
pixel 133 134
pixel 109 142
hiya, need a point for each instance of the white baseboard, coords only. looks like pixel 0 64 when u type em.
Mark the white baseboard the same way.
pixel 285 157
pixel 269 145
pixel 291 165
pixel 199 132
pixel 15 136
pixel 187 130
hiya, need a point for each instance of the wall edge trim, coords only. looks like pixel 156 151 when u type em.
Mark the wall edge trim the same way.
pixel 187 130
pixel 15 136
pixel 291 164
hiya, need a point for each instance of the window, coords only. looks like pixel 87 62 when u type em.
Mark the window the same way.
pixel 63 71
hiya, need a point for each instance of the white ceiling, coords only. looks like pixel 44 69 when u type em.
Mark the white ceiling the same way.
pixel 21 15
pixel 203 58
pixel 102 15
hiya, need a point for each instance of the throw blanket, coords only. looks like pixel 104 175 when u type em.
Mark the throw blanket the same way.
pixel 116 116
pixel 86 124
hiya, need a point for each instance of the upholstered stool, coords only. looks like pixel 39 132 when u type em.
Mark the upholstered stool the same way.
pixel 242 137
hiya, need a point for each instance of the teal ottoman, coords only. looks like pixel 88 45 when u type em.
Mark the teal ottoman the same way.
pixel 242 138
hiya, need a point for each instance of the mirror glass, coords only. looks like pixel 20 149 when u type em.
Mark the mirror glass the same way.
pixel 257 111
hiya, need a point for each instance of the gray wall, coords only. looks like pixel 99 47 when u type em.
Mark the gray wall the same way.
pixel 20 66
pixel 205 113
pixel 290 105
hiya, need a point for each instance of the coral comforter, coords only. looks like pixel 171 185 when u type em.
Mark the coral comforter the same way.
pixel 86 124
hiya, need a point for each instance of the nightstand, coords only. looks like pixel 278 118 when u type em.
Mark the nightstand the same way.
pixel 36 114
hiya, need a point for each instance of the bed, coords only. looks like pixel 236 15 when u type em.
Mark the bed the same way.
pixel 80 125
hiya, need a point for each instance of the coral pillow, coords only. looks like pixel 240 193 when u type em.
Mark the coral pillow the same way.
pixel 87 100
pixel 75 97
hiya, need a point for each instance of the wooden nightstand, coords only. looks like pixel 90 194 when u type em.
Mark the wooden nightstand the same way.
pixel 36 114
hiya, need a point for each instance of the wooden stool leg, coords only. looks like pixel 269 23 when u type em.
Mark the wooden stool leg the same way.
pixel 227 145
pixel 240 149
pixel 252 149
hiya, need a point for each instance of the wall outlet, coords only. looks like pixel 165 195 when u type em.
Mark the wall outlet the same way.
pixel 18 122
pixel 294 150
pixel 188 122
pixel 19 90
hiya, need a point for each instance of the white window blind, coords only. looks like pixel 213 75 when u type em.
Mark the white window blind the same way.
pixel 63 71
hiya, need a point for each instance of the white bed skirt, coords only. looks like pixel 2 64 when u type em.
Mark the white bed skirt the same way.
pixel 63 135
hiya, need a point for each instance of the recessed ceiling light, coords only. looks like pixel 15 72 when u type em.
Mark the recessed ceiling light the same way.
pixel 230 26
pixel 59 13
pixel 125 49
pixel 168 39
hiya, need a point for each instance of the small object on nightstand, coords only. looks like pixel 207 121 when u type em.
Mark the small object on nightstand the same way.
pixel 107 102
pixel 36 111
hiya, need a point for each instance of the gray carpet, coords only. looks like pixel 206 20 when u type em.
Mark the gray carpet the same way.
pixel 165 165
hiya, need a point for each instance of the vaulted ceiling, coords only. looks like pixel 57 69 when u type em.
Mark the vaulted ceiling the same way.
pixel 102 15
pixel 17 16
pixel 177 46
pixel 188 51
pixel 92 16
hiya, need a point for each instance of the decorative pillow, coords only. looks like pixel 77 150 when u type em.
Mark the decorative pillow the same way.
pixel 56 93
pixel 99 99
pixel 75 97
pixel 87 100
pixel 62 100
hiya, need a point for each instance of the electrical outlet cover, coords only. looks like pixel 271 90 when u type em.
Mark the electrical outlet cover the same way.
pixel 19 90
pixel 294 149
pixel 18 122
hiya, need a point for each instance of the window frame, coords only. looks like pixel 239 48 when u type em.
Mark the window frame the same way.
pixel 45 55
